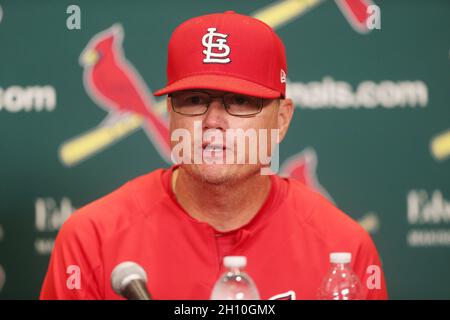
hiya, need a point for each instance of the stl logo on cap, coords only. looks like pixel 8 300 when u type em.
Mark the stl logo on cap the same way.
pixel 230 52
pixel 223 50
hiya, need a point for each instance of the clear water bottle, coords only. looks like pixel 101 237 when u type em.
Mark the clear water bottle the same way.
pixel 235 284
pixel 341 283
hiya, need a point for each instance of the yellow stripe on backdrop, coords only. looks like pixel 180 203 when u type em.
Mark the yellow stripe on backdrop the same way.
pixel 440 146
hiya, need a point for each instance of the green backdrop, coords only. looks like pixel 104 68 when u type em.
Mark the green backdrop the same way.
pixel 371 126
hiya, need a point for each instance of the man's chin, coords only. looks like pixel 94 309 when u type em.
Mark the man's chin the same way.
pixel 217 174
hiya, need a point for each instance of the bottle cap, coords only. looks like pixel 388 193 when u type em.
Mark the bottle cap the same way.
pixel 235 261
pixel 340 257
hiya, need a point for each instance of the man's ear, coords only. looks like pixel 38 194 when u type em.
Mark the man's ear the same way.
pixel 285 113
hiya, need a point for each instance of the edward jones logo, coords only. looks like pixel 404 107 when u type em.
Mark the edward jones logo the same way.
pixel 429 213
pixel 49 217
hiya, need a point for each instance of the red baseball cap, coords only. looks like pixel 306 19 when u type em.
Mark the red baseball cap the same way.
pixel 229 52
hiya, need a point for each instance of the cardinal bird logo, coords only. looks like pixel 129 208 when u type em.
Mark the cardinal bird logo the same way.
pixel 116 86
pixel 356 13
pixel 113 83
pixel 302 167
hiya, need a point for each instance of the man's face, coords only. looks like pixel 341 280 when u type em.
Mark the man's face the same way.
pixel 217 122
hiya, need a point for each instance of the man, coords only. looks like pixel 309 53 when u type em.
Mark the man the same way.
pixel 225 72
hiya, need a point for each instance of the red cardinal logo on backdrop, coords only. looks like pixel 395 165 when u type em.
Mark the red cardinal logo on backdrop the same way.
pixel 116 86
pixel 302 167
pixel 356 13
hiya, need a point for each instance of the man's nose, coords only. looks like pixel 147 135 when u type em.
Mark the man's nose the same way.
pixel 216 116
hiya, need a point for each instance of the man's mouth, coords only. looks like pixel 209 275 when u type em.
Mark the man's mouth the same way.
pixel 213 151
pixel 206 146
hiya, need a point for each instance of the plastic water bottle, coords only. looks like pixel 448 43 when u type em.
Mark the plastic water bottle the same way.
pixel 341 283
pixel 235 284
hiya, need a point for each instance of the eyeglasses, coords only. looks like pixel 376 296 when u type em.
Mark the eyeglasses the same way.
pixel 196 103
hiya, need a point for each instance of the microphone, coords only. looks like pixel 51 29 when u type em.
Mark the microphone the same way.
pixel 129 280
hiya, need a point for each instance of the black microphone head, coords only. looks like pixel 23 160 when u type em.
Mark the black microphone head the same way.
pixel 124 273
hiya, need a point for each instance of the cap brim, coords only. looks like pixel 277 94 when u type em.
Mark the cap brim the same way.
pixel 220 82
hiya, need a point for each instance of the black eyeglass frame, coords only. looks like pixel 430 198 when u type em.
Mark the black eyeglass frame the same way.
pixel 226 107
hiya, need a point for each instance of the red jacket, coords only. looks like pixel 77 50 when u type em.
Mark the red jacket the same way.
pixel 287 244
